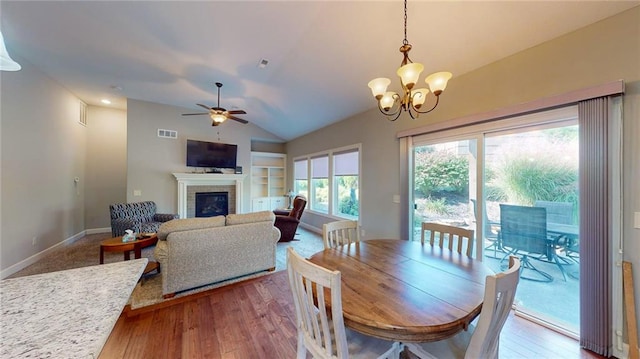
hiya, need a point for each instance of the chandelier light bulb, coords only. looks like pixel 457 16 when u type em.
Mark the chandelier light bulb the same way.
pixel 419 96
pixel 379 86
pixel 409 74
pixel 438 82
pixel 386 102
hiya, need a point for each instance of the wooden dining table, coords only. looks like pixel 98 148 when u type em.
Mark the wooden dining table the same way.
pixel 405 291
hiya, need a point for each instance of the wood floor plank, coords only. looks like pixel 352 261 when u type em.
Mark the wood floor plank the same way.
pixel 256 319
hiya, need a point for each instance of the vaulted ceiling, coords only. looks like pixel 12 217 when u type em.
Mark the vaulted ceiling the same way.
pixel 321 54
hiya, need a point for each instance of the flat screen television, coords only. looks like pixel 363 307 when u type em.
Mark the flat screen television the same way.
pixel 211 154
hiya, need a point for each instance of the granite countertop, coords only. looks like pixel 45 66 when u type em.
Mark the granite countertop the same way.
pixel 65 314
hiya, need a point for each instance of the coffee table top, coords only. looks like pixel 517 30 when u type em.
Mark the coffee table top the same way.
pixel 117 241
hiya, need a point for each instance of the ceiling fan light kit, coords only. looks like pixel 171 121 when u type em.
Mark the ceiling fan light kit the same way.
pixel 6 62
pixel 392 104
pixel 219 114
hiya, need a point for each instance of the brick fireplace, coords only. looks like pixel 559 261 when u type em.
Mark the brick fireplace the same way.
pixel 191 183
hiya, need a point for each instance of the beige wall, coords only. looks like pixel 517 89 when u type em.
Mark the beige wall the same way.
pixel 600 53
pixel 43 150
pixel 106 169
pixel 152 160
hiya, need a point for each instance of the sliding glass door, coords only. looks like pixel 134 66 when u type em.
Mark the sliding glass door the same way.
pixel 516 185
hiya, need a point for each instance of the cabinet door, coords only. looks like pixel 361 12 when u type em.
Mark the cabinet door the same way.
pixel 260 204
pixel 277 202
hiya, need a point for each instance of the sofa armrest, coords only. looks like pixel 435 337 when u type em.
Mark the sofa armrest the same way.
pixel 164 217
pixel 286 219
pixel 281 212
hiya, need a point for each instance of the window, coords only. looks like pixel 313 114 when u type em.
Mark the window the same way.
pixel 330 180
pixel 301 177
pixel 345 182
pixel 320 184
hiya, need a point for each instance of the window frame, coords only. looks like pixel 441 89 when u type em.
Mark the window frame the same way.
pixel 332 211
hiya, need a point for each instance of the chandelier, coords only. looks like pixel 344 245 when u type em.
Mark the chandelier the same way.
pixel 392 104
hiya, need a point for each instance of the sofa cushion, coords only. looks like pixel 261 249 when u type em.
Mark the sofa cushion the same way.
pixel 186 224
pixel 262 216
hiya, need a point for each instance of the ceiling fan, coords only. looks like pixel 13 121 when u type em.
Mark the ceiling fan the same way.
pixel 219 114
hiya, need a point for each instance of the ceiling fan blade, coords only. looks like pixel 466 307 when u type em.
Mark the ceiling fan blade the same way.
pixel 237 112
pixel 203 106
pixel 238 119
pixel 195 114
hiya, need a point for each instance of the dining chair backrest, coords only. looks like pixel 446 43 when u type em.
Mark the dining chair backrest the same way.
pixel 557 212
pixel 338 233
pixel 321 333
pixel 499 293
pixel 524 228
pixel 459 239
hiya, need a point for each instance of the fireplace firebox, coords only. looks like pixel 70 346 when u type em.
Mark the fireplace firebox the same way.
pixel 211 204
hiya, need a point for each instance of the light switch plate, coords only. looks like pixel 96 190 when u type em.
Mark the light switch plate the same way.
pixel 636 220
pixel 396 198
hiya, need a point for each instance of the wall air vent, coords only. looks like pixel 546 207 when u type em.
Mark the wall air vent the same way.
pixel 167 134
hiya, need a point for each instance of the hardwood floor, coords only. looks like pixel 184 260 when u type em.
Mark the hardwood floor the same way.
pixel 256 319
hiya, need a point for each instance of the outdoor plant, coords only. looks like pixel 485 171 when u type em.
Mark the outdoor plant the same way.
pixel 441 172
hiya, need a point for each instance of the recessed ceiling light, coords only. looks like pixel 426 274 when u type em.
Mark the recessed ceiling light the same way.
pixel 105 101
pixel 263 63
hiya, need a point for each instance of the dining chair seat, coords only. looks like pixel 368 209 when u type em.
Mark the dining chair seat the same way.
pixel 481 341
pixel 321 331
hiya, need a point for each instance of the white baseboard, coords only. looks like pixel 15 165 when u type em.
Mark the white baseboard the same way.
pixel 311 228
pixel 36 257
pixel 98 230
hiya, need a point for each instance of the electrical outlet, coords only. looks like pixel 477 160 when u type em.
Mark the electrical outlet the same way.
pixel 34 240
pixel 137 192
pixel 636 220
pixel 362 232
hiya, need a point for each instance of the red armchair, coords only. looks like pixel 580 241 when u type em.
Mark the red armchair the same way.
pixel 287 221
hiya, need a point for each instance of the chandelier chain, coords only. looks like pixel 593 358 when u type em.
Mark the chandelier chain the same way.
pixel 405 42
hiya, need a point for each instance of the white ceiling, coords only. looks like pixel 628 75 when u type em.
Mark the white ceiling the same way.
pixel 321 54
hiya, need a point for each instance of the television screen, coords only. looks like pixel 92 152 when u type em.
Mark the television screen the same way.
pixel 211 154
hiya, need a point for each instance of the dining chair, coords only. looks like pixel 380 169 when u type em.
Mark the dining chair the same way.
pixel 481 340
pixel 321 332
pixel 462 237
pixel 338 233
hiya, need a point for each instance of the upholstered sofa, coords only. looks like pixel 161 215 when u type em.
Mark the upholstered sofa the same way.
pixel 140 217
pixel 198 251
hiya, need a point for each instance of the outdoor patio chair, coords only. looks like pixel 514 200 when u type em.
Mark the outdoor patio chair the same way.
pixel 482 340
pixel 462 237
pixel 321 331
pixel 523 231
pixel 562 213
pixel 491 230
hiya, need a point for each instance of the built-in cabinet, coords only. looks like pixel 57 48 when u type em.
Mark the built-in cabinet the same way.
pixel 268 179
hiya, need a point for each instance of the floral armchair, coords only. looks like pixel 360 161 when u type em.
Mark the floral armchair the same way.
pixel 140 217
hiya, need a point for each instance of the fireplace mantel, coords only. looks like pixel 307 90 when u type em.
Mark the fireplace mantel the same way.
pixel 207 179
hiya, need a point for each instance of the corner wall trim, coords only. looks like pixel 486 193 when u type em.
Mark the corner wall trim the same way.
pixel 546 103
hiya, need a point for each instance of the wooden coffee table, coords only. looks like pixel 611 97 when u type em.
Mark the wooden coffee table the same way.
pixel 116 244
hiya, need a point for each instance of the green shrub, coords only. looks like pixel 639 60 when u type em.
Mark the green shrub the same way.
pixel 524 180
pixel 441 172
